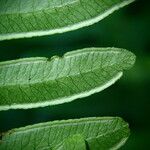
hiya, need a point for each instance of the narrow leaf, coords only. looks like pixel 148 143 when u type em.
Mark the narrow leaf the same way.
pixel 98 133
pixel 30 18
pixel 38 82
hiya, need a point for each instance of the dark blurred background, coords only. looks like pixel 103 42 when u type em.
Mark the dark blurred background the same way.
pixel 129 98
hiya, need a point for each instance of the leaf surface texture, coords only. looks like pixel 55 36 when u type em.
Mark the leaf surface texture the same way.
pixel 96 133
pixel 38 82
pixel 19 18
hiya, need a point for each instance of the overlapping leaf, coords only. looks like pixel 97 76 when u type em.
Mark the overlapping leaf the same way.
pixel 78 134
pixel 36 82
pixel 29 18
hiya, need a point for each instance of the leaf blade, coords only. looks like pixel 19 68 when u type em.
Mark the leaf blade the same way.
pixel 75 142
pixel 38 82
pixel 20 20
pixel 42 136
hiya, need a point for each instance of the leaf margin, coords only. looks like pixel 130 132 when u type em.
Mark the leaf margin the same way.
pixel 72 97
pixel 67 28
pixel 29 128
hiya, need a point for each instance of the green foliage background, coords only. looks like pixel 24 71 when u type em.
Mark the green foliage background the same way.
pixel 129 98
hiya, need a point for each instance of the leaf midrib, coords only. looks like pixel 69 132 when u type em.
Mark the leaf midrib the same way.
pixel 52 9
pixel 41 10
pixel 57 78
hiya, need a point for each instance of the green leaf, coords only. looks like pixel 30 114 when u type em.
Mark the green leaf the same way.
pixel 19 19
pixel 100 133
pixel 38 82
pixel 75 142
